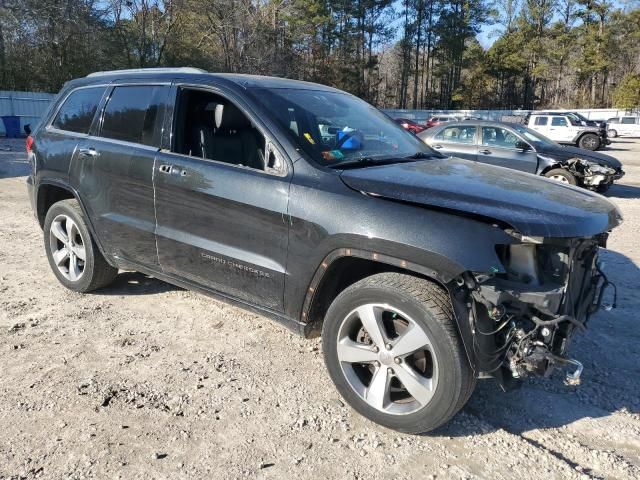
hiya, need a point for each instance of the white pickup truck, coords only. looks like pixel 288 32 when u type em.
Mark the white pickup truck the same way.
pixel 564 128
pixel 624 127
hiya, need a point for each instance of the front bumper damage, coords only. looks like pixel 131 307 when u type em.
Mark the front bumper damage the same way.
pixel 592 175
pixel 522 320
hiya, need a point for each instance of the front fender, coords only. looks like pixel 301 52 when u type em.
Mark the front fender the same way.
pixel 435 243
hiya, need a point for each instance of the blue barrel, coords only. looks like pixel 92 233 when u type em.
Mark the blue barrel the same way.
pixel 11 126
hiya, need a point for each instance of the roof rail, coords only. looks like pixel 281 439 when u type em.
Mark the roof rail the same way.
pixel 149 70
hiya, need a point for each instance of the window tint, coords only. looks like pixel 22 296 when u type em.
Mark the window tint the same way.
pixel 77 111
pixel 498 137
pixel 558 122
pixel 132 114
pixel 541 121
pixel 628 120
pixel 463 134
pixel 210 127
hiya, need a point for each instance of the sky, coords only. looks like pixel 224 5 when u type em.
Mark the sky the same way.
pixel 487 35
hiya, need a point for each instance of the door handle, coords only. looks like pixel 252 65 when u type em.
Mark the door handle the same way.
pixel 485 151
pixel 438 146
pixel 177 170
pixel 172 170
pixel 88 152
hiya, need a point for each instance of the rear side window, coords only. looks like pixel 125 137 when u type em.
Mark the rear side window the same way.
pixel 133 114
pixel 558 122
pixel 456 134
pixel 541 121
pixel 77 111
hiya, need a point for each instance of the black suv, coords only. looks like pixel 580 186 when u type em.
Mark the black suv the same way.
pixel 303 203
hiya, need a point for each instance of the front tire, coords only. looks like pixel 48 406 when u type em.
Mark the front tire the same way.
pixel 612 133
pixel 561 175
pixel 73 255
pixel 392 349
pixel 589 141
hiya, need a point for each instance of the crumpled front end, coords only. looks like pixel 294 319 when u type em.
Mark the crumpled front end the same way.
pixel 593 175
pixel 522 320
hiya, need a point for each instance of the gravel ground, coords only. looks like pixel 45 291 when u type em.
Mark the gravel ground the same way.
pixel 145 380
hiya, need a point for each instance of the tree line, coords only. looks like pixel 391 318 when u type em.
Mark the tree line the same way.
pixel 393 53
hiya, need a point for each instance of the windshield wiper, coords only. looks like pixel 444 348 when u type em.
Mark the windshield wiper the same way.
pixel 421 155
pixel 369 161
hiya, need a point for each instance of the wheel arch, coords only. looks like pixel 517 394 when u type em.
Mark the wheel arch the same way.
pixel 344 267
pixel 50 192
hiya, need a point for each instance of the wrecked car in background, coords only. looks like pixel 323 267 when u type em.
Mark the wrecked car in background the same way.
pixel 515 146
pixel 303 203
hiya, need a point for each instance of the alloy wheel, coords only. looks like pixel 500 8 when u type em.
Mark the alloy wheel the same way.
pixel 387 359
pixel 559 178
pixel 67 247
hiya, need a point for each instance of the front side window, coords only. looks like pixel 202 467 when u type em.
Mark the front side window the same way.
pixel 541 121
pixel 558 122
pixel 132 114
pixel 464 134
pixel 333 127
pixel 210 127
pixel 628 120
pixel 498 137
pixel 77 112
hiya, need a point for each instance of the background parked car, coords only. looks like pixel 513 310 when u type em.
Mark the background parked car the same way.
pixel 441 119
pixel 520 148
pixel 567 129
pixel 411 125
pixel 623 127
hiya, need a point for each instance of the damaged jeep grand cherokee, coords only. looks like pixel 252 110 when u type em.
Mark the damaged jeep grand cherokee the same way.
pixel 307 205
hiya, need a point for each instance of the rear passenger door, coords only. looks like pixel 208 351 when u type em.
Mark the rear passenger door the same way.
pixel 541 124
pixel 113 169
pixel 457 141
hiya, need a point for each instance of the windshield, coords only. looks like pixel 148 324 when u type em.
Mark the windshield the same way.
pixel 334 127
pixel 575 120
pixel 533 137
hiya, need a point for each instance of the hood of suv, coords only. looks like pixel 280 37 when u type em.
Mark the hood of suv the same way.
pixel 532 205
pixel 558 152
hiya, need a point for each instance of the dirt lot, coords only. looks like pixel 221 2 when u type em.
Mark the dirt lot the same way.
pixel 145 380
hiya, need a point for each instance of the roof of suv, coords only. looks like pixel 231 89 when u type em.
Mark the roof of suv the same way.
pixel 196 74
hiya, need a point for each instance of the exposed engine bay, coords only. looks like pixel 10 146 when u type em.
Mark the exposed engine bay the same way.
pixel 523 319
pixel 591 175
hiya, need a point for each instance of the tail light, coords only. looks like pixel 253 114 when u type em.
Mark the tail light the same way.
pixel 29 144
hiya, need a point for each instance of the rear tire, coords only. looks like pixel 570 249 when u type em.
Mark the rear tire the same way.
pixel 561 175
pixel 67 240
pixel 589 141
pixel 374 382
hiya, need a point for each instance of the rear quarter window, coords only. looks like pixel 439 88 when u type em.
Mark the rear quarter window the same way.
pixel 78 109
pixel 133 114
pixel 540 121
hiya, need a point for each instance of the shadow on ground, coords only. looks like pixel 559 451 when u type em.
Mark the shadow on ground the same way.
pixel 134 283
pixel 623 191
pixel 609 351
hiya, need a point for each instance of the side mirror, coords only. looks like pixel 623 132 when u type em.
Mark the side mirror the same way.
pixel 524 146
